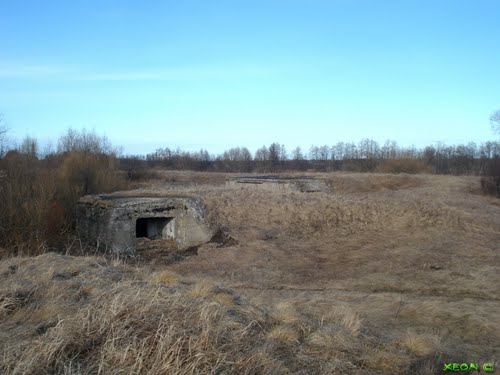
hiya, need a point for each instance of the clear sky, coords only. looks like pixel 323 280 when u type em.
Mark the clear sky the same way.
pixel 217 74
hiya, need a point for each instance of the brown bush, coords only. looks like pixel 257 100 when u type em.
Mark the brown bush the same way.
pixel 84 173
pixel 89 173
pixel 38 202
pixel 410 166
pixel 26 191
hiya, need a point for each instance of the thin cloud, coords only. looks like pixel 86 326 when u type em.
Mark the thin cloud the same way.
pixel 168 74
pixel 181 74
pixel 29 71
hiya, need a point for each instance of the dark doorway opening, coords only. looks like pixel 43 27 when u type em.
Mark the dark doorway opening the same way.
pixel 155 228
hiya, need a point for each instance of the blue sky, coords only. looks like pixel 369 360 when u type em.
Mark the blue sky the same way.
pixel 218 74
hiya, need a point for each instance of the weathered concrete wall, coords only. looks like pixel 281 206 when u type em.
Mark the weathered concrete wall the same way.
pixel 111 221
pixel 277 184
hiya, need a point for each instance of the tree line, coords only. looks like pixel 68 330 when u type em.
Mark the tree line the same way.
pixel 364 156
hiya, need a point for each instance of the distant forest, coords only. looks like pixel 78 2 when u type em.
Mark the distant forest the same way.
pixel 365 156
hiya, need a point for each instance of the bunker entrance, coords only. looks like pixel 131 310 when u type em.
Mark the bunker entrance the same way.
pixel 155 228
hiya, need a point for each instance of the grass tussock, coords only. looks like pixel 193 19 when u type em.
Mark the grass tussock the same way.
pixel 345 317
pixel 333 337
pixel 386 362
pixel 284 334
pixel 226 299
pixel 420 345
pixel 202 289
pixel 165 277
pixel 285 312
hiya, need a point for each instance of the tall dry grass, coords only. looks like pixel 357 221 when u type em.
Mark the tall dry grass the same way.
pixel 370 277
pixel 382 243
pixel 299 215
pixel 86 315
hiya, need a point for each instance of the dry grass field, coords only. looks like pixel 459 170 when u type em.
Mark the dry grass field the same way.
pixel 384 274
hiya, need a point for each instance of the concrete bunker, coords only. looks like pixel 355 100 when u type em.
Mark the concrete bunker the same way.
pixel 121 221
pixel 276 183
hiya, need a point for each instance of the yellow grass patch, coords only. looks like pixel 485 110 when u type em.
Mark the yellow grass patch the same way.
pixel 332 339
pixel 284 334
pixel 344 316
pixel 203 288
pixel 165 277
pixel 420 345
pixel 225 299
pixel 386 362
pixel 286 313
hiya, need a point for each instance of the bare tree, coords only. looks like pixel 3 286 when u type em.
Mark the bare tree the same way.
pixel 3 137
pixel 48 149
pixel 232 155
pixel 297 154
pixel 3 128
pixel 495 121
pixel 68 142
pixel 350 151
pixel 283 153
pixel 246 160
pixel 262 154
pixel 368 148
pixel 314 152
pixel 245 154
pixel 337 151
pixel 238 159
pixel 29 147
pixel 324 153
pixel 298 158
pixel 274 153
pixel 85 141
